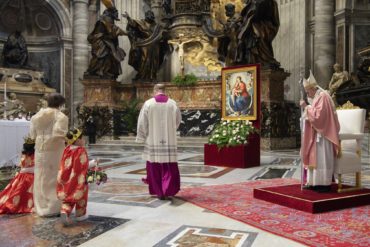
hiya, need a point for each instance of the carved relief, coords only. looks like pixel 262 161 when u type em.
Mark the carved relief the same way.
pixel 192 6
pixel 196 48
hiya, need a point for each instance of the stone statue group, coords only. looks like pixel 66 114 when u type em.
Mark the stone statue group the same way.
pixel 148 46
pixel 246 38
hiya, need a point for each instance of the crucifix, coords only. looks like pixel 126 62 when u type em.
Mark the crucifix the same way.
pixel 180 42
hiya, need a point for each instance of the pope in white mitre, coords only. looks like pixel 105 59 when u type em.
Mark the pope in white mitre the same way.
pixel 320 143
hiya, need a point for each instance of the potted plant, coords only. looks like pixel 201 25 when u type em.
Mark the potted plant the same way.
pixel 234 144
pixel 185 80
pixel 130 115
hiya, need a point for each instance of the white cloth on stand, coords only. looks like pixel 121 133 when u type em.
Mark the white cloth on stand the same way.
pixel 11 136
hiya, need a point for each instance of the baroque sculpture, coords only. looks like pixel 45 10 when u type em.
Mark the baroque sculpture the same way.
pixel 260 24
pixel 338 78
pixel 179 43
pixel 363 69
pixel 148 47
pixel 247 37
pixel 106 54
pixel 13 106
pixel 15 53
pixel 42 103
pixel 228 43
pixel 166 5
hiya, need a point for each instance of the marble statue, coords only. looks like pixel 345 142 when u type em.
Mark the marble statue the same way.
pixel 338 78
pixel 13 106
pixel 148 47
pixel 15 54
pixel 43 103
pixel 179 43
pixel 106 54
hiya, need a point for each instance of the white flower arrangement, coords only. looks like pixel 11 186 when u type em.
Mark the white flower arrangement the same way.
pixel 233 133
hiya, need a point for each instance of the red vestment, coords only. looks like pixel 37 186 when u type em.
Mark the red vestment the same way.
pixel 240 89
pixel 17 197
pixel 72 187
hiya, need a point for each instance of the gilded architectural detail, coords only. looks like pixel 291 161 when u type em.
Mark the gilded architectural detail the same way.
pixel 347 106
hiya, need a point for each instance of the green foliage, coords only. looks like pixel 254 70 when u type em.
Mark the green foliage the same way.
pixel 186 80
pixel 131 114
pixel 96 175
pixel 102 117
pixel 231 133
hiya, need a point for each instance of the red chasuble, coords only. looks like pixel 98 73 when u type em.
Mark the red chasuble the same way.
pixel 17 197
pixel 71 182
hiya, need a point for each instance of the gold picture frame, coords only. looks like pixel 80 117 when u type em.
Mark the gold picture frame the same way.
pixel 239 92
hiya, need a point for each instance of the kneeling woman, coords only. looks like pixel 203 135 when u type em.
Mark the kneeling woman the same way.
pixel 17 197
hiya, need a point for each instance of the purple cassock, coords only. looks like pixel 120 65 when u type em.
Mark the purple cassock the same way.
pixel 163 178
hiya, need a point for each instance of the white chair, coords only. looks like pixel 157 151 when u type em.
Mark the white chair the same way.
pixel 351 133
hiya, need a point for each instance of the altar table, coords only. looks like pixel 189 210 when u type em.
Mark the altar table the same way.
pixel 11 140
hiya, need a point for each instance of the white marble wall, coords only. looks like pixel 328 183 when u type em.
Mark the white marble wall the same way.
pixel 290 43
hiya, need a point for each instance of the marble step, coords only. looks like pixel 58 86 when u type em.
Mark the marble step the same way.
pixel 180 141
pixel 128 142
pixel 139 147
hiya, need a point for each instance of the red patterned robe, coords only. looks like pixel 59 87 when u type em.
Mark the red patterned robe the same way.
pixel 72 188
pixel 17 197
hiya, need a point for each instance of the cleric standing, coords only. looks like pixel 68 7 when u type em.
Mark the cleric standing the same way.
pixel 157 126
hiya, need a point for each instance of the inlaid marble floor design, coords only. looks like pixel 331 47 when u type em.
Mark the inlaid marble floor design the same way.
pixel 131 217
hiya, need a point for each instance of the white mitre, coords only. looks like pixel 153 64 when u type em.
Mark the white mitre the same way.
pixel 310 82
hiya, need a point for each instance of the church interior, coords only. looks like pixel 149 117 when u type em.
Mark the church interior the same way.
pixel 263 136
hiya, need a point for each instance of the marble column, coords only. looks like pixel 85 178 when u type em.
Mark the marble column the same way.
pixel 324 41
pixel 80 52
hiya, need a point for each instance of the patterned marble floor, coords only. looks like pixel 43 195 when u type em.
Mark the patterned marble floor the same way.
pixel 123 214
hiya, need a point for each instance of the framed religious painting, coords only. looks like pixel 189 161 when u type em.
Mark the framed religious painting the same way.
pixel 239 92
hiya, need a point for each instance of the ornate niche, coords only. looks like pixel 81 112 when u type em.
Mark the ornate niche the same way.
pixel 41 28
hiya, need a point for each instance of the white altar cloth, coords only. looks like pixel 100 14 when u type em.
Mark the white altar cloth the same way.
pixel 11 140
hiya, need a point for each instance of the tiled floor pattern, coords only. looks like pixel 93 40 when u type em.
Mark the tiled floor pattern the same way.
pixel 30 230
pixel 123 214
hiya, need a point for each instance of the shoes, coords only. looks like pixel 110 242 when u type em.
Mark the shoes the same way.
pixel 66 221
pixel 323 188
pixel 309 187
pixel 162 198
pixel 82 218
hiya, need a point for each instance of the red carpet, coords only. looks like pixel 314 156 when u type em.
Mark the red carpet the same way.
pixel 310 201
pixel 348 227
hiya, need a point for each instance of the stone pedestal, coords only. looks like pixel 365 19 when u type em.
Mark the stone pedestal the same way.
pixel 100 92
pixel 99 102
pixel 279 118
